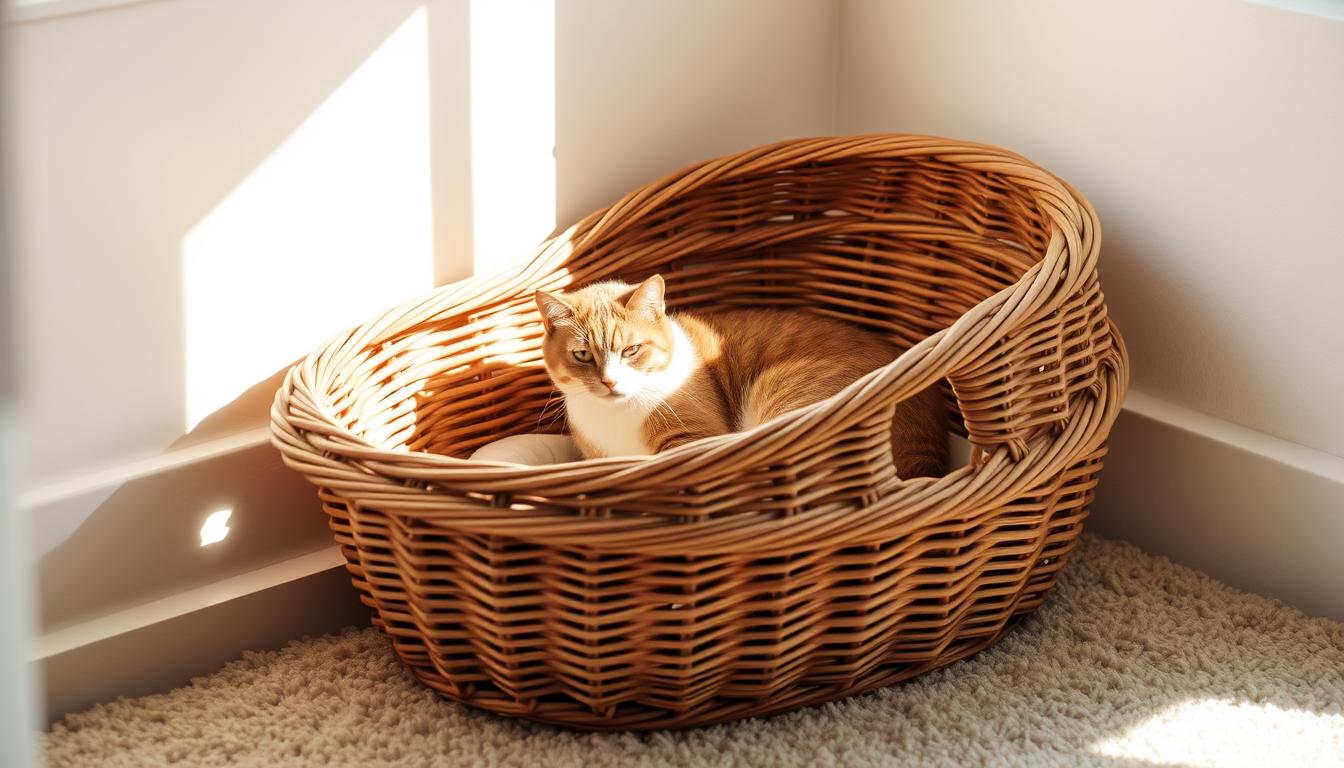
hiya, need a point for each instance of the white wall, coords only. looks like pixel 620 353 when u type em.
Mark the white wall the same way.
pixel 137 125
pixel 206 189
pixel 143 126
pixel 1208 135
pixel 648 87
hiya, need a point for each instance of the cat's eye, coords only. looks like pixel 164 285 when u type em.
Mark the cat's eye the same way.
pixel 583 356
pixel 631 350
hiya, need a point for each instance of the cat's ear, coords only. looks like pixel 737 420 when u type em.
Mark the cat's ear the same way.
pixel 553 309
pixel 647 298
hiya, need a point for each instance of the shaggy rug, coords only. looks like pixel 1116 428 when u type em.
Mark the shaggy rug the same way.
pixel 1133 661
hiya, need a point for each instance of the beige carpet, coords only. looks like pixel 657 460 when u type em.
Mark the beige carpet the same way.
pixel 1132 662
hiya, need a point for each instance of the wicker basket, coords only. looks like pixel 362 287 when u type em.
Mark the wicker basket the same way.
pixel 755 572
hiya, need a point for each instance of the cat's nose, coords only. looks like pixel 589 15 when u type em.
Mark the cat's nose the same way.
pixel 610 384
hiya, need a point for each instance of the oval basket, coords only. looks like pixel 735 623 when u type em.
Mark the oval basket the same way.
pixel 755 572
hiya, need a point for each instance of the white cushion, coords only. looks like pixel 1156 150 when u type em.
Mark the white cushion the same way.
pixel 531 450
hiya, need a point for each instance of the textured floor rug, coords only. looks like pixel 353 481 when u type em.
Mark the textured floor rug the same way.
pixel 1133 661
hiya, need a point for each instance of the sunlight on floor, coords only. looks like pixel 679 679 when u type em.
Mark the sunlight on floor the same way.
pixel 332 227
pixel 1219 732
pixel 512 129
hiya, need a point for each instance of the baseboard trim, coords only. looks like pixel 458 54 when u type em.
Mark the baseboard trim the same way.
pixel 25 11
pixel 1272 448
pixel 88 482
pixel 163 645
pixel 139 617
pixel 1262 514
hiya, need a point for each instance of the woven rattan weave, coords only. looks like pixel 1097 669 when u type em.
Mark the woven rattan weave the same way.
pixel 759 571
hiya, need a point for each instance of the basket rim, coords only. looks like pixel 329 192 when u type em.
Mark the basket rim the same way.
pixel 911 504
pixel 300 424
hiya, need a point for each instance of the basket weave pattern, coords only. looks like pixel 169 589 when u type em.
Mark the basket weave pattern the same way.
pixel 749 573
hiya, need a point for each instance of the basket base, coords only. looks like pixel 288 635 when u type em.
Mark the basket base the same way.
pixel 632 716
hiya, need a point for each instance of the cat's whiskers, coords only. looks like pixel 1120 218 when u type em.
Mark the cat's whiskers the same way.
pixel 556 414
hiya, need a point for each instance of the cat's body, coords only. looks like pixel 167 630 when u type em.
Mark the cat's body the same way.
pixel 637 381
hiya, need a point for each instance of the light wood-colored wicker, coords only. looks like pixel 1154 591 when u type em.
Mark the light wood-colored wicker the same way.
pixel 755 572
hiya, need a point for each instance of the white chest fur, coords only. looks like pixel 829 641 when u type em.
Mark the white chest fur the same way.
pixel 617 428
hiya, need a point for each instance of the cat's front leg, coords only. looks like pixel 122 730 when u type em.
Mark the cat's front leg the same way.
pixel 586 448
pixel 681 420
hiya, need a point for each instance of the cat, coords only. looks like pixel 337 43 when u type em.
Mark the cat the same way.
pixel 637 381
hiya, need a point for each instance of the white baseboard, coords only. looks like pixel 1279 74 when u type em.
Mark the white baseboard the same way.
pixel 161 645
pixel 1262 514
pixel 21 11
pixel 126 537
pixel 131 603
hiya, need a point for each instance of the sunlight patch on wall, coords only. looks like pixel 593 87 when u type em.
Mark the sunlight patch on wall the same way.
pixel 1218 732
pixel 334 226
pixel 512 130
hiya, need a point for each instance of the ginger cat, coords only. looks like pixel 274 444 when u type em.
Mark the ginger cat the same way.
pixel 637 381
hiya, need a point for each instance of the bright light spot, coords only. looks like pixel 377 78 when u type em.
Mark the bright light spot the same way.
pixel 1214 732
pixel 512 129
pixel 332 227
pixel 216 527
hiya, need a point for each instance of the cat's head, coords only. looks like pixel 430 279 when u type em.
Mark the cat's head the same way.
pixel 609 340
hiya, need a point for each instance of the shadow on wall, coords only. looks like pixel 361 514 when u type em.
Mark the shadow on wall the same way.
pixel 241 188
pixel 328 216
pixel 683 90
